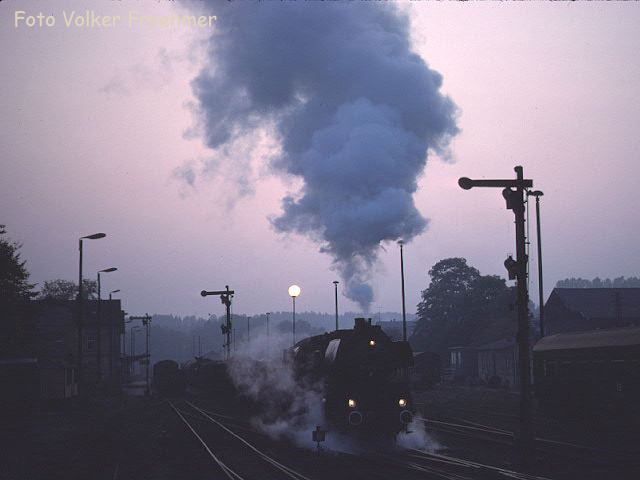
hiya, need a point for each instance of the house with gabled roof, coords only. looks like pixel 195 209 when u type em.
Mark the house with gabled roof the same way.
pixel 581 309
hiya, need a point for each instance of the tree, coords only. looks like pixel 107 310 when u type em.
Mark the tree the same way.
pixel 14 277
pixel 16 325
pixel 451 280
pixel 462 307
pixel 65 290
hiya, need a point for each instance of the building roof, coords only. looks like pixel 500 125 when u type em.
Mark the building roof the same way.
pixel 601 302
pixel 615 337
pixel 497 345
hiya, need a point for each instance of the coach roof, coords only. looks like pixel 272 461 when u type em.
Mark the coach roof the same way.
pixel 616 337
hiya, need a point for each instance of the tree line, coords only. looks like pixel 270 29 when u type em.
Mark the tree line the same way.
pixel 619 282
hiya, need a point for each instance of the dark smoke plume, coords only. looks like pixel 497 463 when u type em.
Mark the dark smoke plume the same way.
pixel 355 111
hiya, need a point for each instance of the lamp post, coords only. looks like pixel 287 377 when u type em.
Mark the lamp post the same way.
pixel 94 236
pixel 248 329
pixel 404 310
pixel 294 291
pixel 335 283
pixel 538 194
pixel 111 335
pixel 99 324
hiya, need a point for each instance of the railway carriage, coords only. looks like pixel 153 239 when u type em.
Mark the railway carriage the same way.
pixel 589 372
pixel 168 379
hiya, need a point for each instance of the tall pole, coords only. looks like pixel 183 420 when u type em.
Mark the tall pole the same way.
pixel 227 302
pixel 98 336
pixel 294 291
pixel 538 194
pixel 404 310
pixel 248 330
pixel 99 325
pixel 335 283
pixel 513 192
pixel 80 382
pixel 225 297
pixel 268 313
pixel 268 340
pixel 132 349
pixel 147 324
pixel 526 433
pixel 294 319
pixel 111 335
pixel 94 236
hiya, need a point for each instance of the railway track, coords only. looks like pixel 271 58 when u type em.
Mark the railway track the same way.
pixel 226 458
pixel 551 455
pixel 406 464
pixel 459 468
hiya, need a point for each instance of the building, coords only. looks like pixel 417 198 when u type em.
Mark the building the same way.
pixel 581 309
pixel 463 364
pixel 426 370
pixel 498 363
pixel 57 345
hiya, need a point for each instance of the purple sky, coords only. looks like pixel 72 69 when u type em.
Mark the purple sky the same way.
pixel 93 126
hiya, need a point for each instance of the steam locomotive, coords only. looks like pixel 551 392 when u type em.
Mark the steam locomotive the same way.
pixel 362 376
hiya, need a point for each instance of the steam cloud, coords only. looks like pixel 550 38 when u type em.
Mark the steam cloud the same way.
pixel 290 410
pixel 355 112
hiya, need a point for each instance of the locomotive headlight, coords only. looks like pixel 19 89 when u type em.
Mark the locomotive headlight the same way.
pixel 402 402
pixel 352 403
pixel 372 342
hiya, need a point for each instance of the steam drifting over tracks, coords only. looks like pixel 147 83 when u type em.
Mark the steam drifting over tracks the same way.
pixel 230 467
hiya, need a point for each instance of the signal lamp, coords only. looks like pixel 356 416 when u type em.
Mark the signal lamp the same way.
pixel 512 267
pixel 372 342
pixel 402 402
pixel 352 403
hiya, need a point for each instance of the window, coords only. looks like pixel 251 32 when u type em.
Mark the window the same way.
pixel 549 369
pixel 91 343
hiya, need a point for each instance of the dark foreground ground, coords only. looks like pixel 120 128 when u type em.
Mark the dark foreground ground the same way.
pixel 570 445
pixel 131 436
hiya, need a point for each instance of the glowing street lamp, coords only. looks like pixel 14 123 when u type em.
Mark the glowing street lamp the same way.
pixel 294 291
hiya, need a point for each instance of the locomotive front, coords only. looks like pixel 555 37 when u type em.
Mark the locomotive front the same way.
pixel 364 377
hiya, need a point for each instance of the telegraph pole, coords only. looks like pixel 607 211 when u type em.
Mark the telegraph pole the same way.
pixel 146 321
pixel 513 192
pixel 225 298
